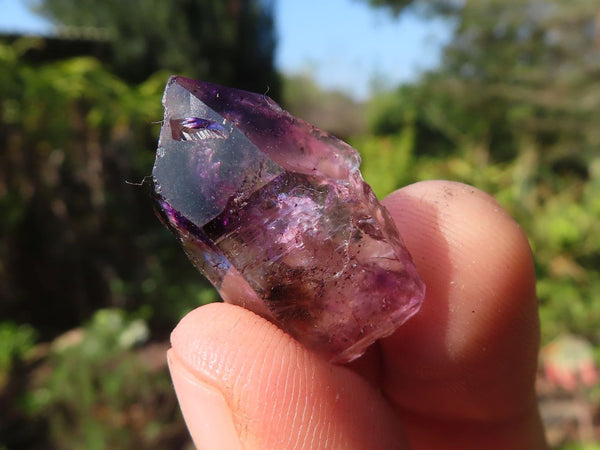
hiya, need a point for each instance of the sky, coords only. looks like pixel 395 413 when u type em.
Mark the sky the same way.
pixel 344 44
pixel 347 45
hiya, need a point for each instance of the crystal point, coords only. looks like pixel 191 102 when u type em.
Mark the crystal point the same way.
pixel 275 213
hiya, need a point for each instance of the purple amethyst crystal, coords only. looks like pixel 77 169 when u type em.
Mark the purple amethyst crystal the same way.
pixel 275 213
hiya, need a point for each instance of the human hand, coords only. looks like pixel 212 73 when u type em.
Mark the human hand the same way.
pixel 458 375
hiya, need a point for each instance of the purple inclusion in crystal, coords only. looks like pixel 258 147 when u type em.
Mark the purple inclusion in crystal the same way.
pixel 275 213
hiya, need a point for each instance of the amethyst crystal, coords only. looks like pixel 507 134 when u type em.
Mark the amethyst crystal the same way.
pixel 275 213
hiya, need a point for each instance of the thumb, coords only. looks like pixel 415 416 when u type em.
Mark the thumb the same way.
pixel 243 383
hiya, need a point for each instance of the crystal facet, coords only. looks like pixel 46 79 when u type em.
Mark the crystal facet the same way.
pixel 275 213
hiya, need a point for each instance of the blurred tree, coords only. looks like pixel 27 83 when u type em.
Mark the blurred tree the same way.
pixel 397 7
pixel 333 111
pixel 74 235
pixel 516 95
pixel 230 42
pixel 409 107
pixel 516 70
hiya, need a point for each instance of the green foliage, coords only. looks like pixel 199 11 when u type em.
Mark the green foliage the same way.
pixel 333 111
pixel 562 223
pixel 410 106
pixel 387 160
pixel 76 238
pixel 15 342
pixel 99 393
pixel 72 135
pixel 397 7
pixel 231 42
pixel 513 110
pixel 580 446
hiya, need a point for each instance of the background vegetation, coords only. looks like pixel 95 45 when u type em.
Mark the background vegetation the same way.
pixel 90 282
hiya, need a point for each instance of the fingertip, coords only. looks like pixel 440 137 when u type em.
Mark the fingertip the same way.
pixel 438 217
pixel 280 394
pixel 467 248
pixel 205 410
pixel 477 329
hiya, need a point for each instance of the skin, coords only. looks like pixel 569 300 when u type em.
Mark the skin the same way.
pixel 458 375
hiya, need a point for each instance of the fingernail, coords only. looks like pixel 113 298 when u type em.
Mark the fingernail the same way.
pixel 206 413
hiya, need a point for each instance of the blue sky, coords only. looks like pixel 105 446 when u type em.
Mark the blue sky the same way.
pixel 347 45
pixel 344 44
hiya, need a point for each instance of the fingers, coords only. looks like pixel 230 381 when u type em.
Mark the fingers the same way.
pixel 470 354
pixel 240 379
pixel 459 374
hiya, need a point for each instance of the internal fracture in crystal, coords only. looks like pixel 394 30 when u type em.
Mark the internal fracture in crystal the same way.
pixel 269 206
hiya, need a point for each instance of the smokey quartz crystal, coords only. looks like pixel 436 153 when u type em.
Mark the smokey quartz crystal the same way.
pixel 275 213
